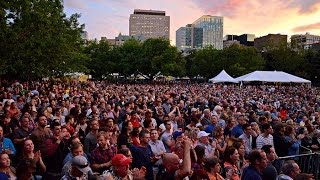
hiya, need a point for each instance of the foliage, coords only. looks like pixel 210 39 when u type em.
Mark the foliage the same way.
pixel 38 40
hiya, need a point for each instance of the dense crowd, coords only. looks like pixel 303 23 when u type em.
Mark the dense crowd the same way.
pixel 97 130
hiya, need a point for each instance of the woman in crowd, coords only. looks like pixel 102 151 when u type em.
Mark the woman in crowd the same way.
pixel 5 166
pixel 242 151
pixel 213 168
pixel 13 110
pixel 231 158
pixel 221 141
pixel 135 136
pixel 28 153
pixel 124 139
pixel 198 160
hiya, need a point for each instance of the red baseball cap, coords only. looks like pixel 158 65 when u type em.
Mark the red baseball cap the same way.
pixel 120 160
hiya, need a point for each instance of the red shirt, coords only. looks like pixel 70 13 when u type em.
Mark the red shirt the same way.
pixel 135 123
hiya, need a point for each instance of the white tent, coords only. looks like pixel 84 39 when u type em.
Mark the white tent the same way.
pixel 223 76
pixel 271 76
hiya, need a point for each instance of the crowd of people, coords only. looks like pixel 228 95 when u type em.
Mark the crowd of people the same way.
pixel 98 130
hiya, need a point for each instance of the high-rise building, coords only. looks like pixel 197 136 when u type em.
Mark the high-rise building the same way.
pixel 304 41
pixel 212 32
pixel 183 38
pixel 149 24
pixel 270 41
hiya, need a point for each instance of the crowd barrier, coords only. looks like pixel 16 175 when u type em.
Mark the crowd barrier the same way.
pixel 308 161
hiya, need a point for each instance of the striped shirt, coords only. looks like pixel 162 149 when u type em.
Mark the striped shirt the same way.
pixel 261 141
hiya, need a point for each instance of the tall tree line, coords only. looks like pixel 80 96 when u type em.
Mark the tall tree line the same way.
pixel 38 40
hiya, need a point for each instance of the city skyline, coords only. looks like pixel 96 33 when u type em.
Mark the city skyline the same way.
pixel 108 18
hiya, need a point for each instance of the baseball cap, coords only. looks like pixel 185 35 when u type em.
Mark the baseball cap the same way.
pixel 120 160
pixel 193 109
pixel 202 134
pixel 176 134
pixel 81 163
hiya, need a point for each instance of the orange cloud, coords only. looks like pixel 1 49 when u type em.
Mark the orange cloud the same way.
pixel 308 27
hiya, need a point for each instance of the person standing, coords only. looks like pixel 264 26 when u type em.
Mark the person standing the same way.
pixel 157 148
pixel 265 138
pixel 90 141
pixel 102 155
pixel 290 170
pixel 237 130
pixel 143 155
pixel 258 162
pixel 247 137
pixel 6 145
pixel 40 134
pixel 270 172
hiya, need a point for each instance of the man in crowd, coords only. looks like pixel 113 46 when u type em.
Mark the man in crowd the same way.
pixel 90 141
pixel 56 151
pixel 167 137
pixel 203 140
pixel 237 130
pixel 171 164
pixel 6 144
pixel 40 134
pixel 265 138
pixel 270 172
pixel 143 155
pixel 79 169
pixel 258 162
pixel 157 148
pixel 247 137
pixel 120 169
pixel 102 155
pixel 22 133
pixel 290 170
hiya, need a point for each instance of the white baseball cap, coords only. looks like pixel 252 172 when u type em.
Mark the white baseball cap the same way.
pixel 202 134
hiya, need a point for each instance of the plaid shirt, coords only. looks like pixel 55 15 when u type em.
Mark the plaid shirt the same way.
pixel 100 156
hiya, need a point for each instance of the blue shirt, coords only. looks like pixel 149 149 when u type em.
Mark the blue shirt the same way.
pixel 3 176
pixel 7 144
pixel 237 131
pixel 209 129
pixel 250 173
pixel 142 157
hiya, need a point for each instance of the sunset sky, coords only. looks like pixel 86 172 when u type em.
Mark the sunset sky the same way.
pixel 108 18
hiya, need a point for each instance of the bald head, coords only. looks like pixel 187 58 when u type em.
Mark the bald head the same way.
pixel 171 162
pixel 169 157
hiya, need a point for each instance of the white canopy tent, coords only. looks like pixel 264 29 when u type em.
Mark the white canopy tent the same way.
pixel 223 76
pixel 271 76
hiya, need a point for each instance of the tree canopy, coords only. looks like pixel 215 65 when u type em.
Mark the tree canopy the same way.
pixel 38 40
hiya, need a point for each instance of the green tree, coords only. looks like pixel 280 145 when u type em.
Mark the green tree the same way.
pixel 38 40
pixel 286 59
pixel 203 63
pixel 238 60
pixel 160 56
pixel 100 54
pixel 131 56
